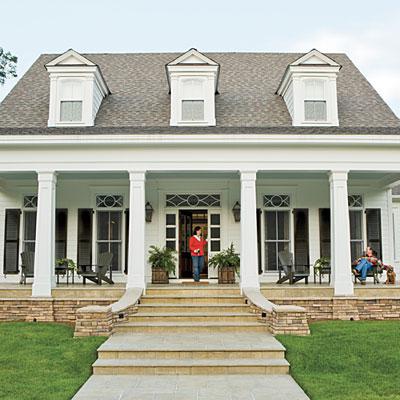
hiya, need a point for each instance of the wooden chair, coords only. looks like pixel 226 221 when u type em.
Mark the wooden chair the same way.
pixel 27 266
pixel 97 273
pixel 291 272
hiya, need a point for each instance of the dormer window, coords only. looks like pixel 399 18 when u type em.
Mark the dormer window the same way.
pixel 193 110
pixel 193 80
pixel 308 88
pixel 70 111
pixel 77 89
pixel 314 102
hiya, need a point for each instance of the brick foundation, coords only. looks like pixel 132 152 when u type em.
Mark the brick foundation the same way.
pixel 93 321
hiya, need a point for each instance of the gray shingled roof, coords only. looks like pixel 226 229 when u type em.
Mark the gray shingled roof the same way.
pixel 247 101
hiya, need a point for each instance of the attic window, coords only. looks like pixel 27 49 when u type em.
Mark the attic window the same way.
pixel 314 103
pixel 71 111
pixel 192 110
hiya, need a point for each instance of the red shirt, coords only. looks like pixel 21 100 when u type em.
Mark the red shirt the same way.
pixel 195 244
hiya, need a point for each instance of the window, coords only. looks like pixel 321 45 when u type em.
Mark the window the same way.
pixel 109 201
pixel 170 231
pixel 314 102
pixel 71 111
pixel 276 200
pixel 192 110
pixel 29 230
pixel 356 233
pixel 325 232
pixel 109 237
pixel 193 200
pixel 276 237
pixel 373 223
pixel 215 232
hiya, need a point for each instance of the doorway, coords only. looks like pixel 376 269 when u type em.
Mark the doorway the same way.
pixel 188 220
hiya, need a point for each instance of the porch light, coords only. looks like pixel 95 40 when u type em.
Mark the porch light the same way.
pixel 149 212
pixel 236 212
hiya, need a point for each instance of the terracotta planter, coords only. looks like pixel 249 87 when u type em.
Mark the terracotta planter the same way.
pixel 159 276
pixel 226 275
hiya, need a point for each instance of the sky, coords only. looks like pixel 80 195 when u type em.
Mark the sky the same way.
pixel 368 31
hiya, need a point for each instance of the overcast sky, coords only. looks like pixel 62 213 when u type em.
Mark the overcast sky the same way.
pixel 368 31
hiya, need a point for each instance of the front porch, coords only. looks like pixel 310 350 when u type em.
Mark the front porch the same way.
pixel 279 210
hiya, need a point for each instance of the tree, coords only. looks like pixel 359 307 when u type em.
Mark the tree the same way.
pixel 8 65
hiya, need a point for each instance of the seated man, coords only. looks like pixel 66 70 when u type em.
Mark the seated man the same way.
pixel 364 264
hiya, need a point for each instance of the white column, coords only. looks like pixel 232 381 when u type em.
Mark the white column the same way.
pixel 248 231
pixel 44 278
pixel 136 245
pixel 340 235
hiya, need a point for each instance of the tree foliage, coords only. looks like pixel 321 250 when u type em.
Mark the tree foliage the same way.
pixel 8 65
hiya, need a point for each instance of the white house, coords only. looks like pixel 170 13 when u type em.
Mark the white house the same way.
pixel 302 143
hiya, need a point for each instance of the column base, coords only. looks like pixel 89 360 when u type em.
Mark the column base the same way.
pixel 343 288
pixel 41 289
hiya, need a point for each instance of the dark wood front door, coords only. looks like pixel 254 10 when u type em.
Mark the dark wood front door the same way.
pixel 188 220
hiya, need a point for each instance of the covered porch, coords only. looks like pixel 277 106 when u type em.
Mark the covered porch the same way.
pixel 311 213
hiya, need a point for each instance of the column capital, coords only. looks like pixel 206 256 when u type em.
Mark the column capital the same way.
pixel 137 176
pixel 46 176
pixel 341 175
pixel 248 175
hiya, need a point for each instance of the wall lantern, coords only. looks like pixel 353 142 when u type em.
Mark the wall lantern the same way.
pixel 149 212
pixel 236 212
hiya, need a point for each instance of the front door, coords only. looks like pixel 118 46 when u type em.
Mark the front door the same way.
pixel 188 220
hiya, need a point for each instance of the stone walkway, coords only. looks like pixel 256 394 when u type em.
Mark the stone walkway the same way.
pixel 191 387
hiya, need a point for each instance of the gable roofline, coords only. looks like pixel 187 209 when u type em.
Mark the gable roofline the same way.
pixel 179 61
pixel 326 62
pixel 84 62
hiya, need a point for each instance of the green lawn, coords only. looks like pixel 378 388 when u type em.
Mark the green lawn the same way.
pixel 43 361
pixel 347 360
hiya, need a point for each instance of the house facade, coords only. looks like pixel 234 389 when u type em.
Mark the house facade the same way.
pixel 268 151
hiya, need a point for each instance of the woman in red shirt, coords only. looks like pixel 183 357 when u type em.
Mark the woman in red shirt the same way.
pixel 196 245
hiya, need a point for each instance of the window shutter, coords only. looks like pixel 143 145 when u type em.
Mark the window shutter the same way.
pixel 259 249
pixel 61 233
pixel 325 232
pixel 126 240
pixel 11 241
pixel 301 247
pixel 85 224
pixel 374 236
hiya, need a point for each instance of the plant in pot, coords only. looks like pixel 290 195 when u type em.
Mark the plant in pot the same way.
pixel 228 263
pixel 163 262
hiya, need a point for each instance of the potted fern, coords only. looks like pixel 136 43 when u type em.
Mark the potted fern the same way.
pixel 228 263
pixel 163 261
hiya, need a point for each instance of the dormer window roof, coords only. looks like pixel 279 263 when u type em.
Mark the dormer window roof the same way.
pixel 193 83
pixel 77 88
pixel 308 87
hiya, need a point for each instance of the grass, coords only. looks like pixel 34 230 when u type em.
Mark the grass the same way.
pixel 43 361
pixel 347 360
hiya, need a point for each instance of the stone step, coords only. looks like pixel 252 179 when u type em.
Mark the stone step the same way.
pixel 192 299
pixel 176 327
pixel 210 354
pixel 191 317
pixel 199 291
pixel 195 307
pixel 190 366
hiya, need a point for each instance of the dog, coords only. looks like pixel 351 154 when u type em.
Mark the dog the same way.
pixel 390 275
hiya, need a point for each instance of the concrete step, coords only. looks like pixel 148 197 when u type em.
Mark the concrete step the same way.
pixel 192 317
pixel 195 307
pixel 192 299
pixel 176 327
pixel 190 366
